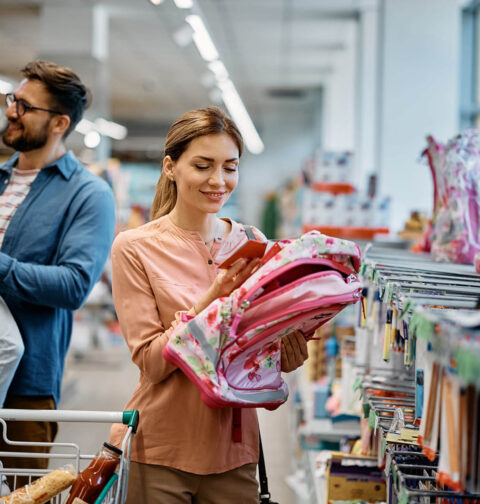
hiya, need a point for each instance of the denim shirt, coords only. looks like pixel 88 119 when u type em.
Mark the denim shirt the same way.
pixel 52 254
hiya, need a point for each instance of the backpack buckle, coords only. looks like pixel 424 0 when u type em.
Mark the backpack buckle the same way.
pixel 265 499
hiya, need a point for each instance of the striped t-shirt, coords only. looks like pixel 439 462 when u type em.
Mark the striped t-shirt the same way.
pixel 15 192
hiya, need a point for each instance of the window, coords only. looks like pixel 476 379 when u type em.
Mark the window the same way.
pixel 470 67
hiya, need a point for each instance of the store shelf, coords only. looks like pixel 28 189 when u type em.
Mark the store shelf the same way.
pixel 323 428
pixel 348 233
pixel 334 188
pixel 413 303
pixel 318 494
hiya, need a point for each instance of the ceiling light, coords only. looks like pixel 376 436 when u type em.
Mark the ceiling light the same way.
pixel 184 4
pixel 6 86
pixel 106 128
pixel 111 129
pixel 85 126
pixel 202 39
pixel 239 114
pixel 218 68
pixel 183 36
pixel 92 139
pixel 156 2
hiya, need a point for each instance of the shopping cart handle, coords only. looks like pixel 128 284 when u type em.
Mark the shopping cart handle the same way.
pixel 130 418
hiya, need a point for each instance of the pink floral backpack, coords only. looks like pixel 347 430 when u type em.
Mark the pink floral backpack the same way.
pixel 231 350
pixel 455 167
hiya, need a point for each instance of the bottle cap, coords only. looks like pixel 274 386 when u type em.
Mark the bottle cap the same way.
pixel 331 347
pixel 112 448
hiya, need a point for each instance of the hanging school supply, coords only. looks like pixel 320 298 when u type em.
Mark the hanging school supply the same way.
pixel 456 221
pixel 231 350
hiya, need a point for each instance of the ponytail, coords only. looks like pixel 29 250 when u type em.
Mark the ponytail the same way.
pixel 165 197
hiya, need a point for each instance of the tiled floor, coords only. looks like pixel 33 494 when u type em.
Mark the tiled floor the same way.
pixel 104 380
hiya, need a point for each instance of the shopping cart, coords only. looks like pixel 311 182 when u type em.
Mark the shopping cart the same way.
pixel 115 492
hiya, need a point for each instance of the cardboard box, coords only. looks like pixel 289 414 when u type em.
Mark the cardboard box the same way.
pixel 355 478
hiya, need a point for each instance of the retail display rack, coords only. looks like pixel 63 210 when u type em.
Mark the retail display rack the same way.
pixel 336 210
pixel 418 352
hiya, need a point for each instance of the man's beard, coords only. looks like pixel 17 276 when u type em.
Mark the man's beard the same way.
pixel 24 141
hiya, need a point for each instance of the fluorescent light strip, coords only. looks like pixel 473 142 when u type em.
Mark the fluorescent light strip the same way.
pixel 239 114
pixel 111 129
pixel 202 39
pixel 102 126
pixel 218 68
pixel 230 96
pixel 85 126
pixel 184 4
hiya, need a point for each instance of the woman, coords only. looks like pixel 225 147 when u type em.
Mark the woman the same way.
pixel 183 451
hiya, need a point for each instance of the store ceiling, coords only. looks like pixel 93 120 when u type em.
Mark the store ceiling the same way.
pixel 274 50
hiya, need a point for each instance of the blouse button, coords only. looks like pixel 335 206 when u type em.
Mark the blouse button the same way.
pixel 210 261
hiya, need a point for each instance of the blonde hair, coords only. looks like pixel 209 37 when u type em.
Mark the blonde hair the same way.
pixel 191 125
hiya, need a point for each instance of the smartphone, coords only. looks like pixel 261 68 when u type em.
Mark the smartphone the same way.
pixel 249 250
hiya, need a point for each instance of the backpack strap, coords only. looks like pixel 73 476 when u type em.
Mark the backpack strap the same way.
pixel 262 476
pixel 249 232
pixel 237 425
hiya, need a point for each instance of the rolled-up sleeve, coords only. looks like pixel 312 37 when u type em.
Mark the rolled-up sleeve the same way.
pixel 138 312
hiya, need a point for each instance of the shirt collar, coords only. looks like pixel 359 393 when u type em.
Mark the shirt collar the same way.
pixel 66 165
pixel 8 165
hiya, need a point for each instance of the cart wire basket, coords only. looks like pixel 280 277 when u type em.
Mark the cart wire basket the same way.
pixel 115 491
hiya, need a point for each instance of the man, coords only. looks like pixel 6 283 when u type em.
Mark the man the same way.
pixel 56 227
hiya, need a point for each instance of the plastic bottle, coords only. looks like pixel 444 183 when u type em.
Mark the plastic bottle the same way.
pixel 91 480
pixel 331 352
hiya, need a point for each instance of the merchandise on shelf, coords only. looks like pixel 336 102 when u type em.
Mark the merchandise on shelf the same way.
pixel 332 205
pixel 421 413
pixel 332 167
pixel 316 365
pixel 354 478
pixel 327 414
pixel 455 168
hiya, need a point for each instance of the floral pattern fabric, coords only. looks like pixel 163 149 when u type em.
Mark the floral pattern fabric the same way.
pixel 238 364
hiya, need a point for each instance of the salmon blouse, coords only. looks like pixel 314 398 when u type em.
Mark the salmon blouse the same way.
pixel 160 270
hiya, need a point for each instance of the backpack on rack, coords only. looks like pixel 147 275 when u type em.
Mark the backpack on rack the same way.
pixel 455 168
pixel 231 350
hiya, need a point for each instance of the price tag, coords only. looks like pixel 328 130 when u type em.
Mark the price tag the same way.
pixel 388 464
pixel 394 475
pixel 357 384
pixel 389 292
pixel 366 410
pixel 407 307
pixel 403 497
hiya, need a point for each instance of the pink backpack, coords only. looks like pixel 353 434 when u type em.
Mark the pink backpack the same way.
pixel 455 167
pixel 230 350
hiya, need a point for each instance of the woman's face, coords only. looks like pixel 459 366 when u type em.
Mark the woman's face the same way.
pixel 206 173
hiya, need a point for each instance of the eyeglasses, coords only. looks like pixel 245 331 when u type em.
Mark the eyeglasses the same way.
pixel 23 107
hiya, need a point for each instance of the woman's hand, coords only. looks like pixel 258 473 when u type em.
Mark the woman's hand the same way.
pixel 294 351
pixel 227 281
